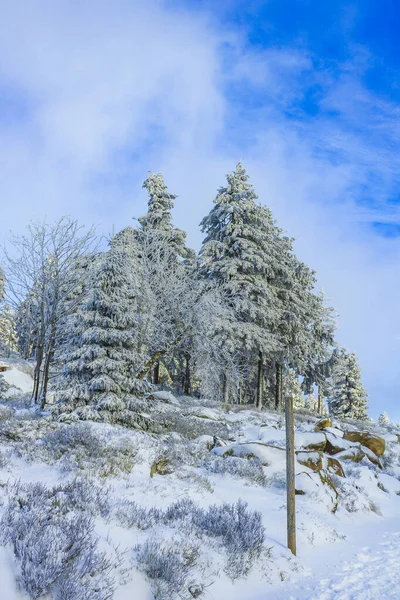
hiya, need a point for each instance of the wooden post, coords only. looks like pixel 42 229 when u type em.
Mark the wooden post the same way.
pixel 290 475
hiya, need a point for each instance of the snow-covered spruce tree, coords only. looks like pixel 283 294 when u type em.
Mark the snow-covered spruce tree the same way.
pixel 100 371
pixel 384 419
pixel 3 386
pixel 168 300
pixel 159 216
pixel 240 255
pixel 347 398
pixel 321 357
pixel 160 240
pixel 304 331
pixel 8 336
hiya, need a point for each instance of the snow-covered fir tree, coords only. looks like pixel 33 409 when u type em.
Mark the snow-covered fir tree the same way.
pixel 240 256
pixel 159 216
pixel 347 398
pixel 101 369
pixel 270 291
pixel 8 335
pixel 4 386
pixel 384 419
pixel 163 256
pixel 322 352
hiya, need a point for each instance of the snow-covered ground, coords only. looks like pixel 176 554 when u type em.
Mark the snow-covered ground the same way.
pixel 194 458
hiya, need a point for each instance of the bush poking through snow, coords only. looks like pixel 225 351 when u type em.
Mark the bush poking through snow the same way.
pixel 250 469
pixel 82 446
pixel 164 566
pixel 232 527
pixel 5 413
pixel 55 546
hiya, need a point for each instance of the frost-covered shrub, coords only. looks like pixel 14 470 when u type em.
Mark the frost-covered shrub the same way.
pixel 251 470
pixel 84 494
pixel 353 497
pixel 240 532
pixel 83 447
pixel 5 413
pixel 189 427
pixel 5 457
pixel 4 386
pixel 55 545
pixel 164 566
pixel 131 514
pixel 235 529
pixel 180 452
pixel 69 437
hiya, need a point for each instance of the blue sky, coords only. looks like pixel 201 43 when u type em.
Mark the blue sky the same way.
pixel 95 94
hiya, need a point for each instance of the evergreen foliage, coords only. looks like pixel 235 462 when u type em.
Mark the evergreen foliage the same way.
pixel 347 395
pixel 277 319
pixel 8 335
pixel 384 419
pixel 292 388
pixel 101 368
pixel 159 217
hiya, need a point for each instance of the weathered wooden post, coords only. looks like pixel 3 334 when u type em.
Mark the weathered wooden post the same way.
pixel 290 475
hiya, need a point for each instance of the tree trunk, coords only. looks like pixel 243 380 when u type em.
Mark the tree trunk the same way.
pixel 45 378
pixel 290 475
pixel 259 398
pixel 278 387
pixel 150 363
pixel 156 374
pixel 240 394
pixel 319 406
pixel 186 389
pixel 36 376
pixel 225 390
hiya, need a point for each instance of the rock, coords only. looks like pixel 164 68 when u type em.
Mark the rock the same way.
pixel 207 440
pixel 317 484
pixel 327 480
pixel 372 457
pixel 335 444
pixel 310 440
pixel 305 483
pixel 267 455
pixel 312 460
pixel 164 396
pixel 196 590
pixel 3 368
pixel 161 467
pixel 218 443
pixel 355 454
pixel 327 422
pixel 337 432
pixel 202 412
pixel 369 440
pixel 333 465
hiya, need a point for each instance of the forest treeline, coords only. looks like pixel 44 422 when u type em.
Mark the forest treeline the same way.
pixel 240 321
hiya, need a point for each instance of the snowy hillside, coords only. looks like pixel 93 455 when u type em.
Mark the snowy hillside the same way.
pixel 194 507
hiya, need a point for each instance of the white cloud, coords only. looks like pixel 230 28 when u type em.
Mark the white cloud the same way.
pixel 104 92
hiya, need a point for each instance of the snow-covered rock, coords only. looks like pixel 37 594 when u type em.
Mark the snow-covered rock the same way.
pixel 367 439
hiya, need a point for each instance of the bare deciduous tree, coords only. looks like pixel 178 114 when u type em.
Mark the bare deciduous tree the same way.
pixel 40 268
